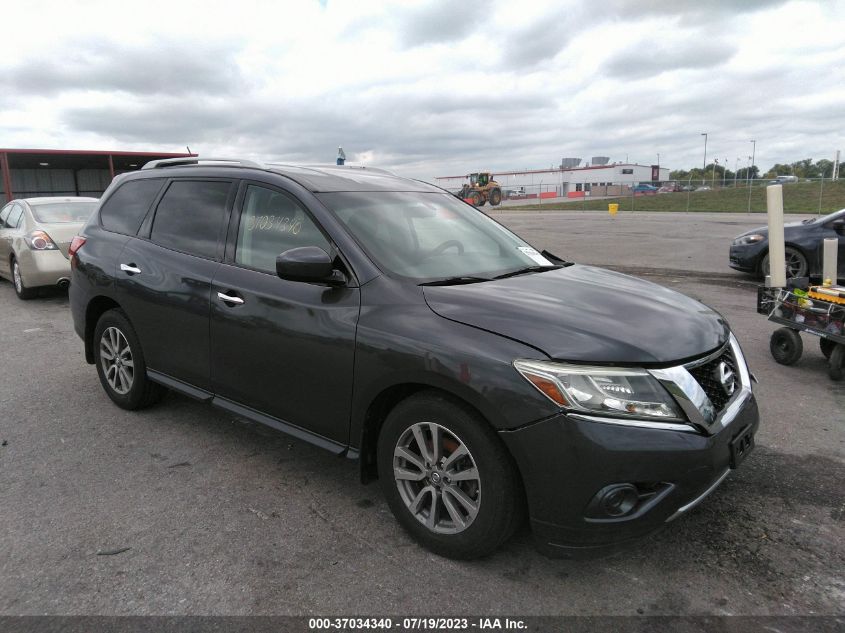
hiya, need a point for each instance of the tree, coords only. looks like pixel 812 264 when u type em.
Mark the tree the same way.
pixel 742 174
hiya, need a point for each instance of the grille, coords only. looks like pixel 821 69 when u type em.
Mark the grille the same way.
pixel 708 377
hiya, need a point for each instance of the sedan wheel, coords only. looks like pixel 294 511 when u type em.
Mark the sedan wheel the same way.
pixel 796 264
pixel 20 289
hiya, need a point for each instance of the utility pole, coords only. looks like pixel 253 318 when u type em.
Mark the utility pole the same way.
pixel 736 170
pixel 750 177
pixel 704 162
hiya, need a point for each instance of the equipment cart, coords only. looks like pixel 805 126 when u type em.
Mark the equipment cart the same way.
pixel 815 310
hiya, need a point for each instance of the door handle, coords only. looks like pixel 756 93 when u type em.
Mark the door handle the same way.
pixel 130 268
pixel 227 299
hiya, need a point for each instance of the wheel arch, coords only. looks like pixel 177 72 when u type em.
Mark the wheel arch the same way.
pixel 382 404
pixel 762 256
pixel 93 311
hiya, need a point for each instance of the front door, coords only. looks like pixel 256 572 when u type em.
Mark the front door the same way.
pixel 282 348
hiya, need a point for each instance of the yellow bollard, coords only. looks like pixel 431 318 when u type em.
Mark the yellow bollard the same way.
pixel 612 208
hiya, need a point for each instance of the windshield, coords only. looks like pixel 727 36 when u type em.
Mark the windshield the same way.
pixel 429 236
pixel 827 218
pixel 63 212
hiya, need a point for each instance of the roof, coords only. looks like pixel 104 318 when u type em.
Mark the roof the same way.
pixel 329 178
pixel 315 178
pixel 82 159
pixel 57 199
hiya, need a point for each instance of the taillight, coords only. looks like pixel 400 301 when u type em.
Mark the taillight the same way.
pixel 75 244
pixel 40 241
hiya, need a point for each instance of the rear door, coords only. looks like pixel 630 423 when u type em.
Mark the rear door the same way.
pixel 283 348
pixel 164 276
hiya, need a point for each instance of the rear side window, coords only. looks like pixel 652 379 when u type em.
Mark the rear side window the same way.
pixel 125 209
pixel 4 214
pixel 190 215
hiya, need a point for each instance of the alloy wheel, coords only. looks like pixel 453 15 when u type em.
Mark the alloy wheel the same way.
pixel 116 360
pixel 437 478
pixel 16 275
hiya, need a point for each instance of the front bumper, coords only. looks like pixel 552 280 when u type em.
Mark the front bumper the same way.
pixel 43 268
pixel 565 461
pixel 746 257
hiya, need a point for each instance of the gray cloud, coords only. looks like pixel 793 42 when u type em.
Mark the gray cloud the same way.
pixel 648 58
pixel 103 65
pixel 441 21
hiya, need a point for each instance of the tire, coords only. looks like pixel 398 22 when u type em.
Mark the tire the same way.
pixel 127 384
pixel 836 368
pixel 786 346
pixel 827 346
pixel 475 199
pixel 456 530
pixel 796 264
pixel 21 290
pixel 495 197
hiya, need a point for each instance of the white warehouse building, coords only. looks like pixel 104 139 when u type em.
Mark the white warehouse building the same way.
pixel 570 181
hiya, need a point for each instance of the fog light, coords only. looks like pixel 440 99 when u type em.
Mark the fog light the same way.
pixel 619 500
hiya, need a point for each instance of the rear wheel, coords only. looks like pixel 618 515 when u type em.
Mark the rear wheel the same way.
pixel 447 478
pixel 20 288
pixel 836 369
pixel 120 363
pixel 786 346
pixel 827 346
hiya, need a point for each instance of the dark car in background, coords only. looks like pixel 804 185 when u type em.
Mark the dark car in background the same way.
pixel 749 252
pixel 386 321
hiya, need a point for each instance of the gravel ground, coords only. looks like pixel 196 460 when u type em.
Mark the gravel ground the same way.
pixel 183 509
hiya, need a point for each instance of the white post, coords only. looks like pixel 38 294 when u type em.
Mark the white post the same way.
pixel 777 249
pixel 831 252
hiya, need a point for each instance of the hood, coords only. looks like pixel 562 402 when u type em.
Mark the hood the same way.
pixel 586 314
pixel 764 230
pixel 62 234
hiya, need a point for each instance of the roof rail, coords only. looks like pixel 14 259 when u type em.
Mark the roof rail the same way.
pixel 346 167
pixel 196 160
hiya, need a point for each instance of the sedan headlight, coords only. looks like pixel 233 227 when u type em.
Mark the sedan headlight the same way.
pixel 614 391
pixel 744 240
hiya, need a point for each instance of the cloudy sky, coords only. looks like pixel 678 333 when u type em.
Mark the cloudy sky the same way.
pixel 429 87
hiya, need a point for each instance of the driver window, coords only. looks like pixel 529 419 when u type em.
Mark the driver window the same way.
pixel 271 223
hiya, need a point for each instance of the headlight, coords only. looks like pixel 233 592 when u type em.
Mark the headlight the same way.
pixel 614 391
pixel 743 240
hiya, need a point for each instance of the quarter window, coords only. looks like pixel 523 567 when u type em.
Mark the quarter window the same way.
pixel 270 224
pixel 14 217
pixel 126 208
pixel 4 214
pixel 190 216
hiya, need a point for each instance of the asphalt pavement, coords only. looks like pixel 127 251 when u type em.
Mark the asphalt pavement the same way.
pixel 185 509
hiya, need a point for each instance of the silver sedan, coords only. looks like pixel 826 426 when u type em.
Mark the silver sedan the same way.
pixel 35 234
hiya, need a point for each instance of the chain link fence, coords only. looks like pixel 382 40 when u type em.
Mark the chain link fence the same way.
pixel 805 195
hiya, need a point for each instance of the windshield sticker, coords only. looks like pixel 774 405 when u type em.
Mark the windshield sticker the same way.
pixel 536 257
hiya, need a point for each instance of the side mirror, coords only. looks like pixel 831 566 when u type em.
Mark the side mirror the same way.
pixel 838 226
pixel 309 264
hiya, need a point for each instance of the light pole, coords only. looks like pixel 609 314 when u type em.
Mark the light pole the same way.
pixel 704 162
pixel 725 174
pixel 753 156
pixel 736 170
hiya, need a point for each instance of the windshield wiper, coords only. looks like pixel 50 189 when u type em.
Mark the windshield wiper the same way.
pixel 526 270
pixel 454 281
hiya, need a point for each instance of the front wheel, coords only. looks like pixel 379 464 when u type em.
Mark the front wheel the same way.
pixel 495 197
pixel 447 478
pixel 796 263
pixel 20 288
pixel 120 363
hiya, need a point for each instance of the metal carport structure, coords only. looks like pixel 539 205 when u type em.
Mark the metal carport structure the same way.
pixel 27 173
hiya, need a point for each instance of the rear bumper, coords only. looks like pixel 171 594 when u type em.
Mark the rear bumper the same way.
pixel 43 268
pixel 565 462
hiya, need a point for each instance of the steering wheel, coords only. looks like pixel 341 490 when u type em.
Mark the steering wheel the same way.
pixel 438 250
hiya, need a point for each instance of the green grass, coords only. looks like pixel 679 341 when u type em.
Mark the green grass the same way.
pixel 802 197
